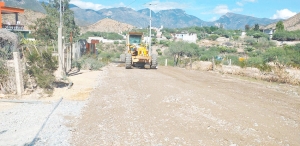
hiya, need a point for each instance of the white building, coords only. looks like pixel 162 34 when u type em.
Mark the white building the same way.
pixel 270 32
pixel 187 37
pixel 102 40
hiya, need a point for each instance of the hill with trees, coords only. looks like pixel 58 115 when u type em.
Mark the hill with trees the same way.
pixel 290 24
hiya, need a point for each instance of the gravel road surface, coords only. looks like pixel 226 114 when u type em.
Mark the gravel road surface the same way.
pixel 173 106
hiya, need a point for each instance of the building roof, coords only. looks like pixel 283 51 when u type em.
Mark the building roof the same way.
pixel 9 10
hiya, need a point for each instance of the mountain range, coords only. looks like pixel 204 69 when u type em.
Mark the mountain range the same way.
pixel 173 18
pixel 26 4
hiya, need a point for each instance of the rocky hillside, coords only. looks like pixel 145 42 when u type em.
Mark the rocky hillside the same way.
pixel 173 18
pixel 290 24
pixel 107 25
pixel 27 18
pixel 26 4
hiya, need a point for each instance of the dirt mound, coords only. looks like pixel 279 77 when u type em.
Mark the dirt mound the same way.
pixel 107 25
pixel 202 65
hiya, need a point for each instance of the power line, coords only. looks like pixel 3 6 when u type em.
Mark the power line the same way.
pixel 131 3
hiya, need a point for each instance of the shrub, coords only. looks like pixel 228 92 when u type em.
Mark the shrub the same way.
pixel 209 54
pixel 258 62
pixel 90 62
pixel 161 60
pixel 159 52
pixel 213 37
pixel 227 50
pixel 286 35
pixel 165 43
pixel 273 54
pixel 41 68
pixel 234 59
pixel 116 42
pixel 254 53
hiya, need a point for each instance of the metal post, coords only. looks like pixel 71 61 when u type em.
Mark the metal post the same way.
pixel 150 34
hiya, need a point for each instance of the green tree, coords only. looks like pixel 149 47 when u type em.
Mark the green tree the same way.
pixel 280 26
pixel 180 48
pixel 45 29
pixel 256 27
pixel 247 27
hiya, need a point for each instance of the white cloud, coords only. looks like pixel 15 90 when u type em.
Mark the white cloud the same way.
pixel 283 14
pixel 223 9
pixel 156 5
pixel 243 2
pixel 87 5
pixel 213 19
pixel 240 4
pixel 121 4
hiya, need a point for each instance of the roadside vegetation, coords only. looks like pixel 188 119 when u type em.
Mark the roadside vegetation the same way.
pixel 256 49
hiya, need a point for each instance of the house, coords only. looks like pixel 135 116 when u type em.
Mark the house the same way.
pixel 187 37
pixel 268 31
pixel 14 26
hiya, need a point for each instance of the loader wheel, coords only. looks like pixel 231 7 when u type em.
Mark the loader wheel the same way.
pixel 128 61
pixel 153 61
pixel 122 57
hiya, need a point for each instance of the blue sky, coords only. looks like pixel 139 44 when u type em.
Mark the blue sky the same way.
pixel 207 10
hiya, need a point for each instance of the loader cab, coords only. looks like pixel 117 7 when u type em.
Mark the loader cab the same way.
pixel 135 39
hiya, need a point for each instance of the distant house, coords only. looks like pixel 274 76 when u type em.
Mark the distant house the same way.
pixel 268 31
pixel 187 37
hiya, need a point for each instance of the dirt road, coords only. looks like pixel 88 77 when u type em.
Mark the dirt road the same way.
pixel 173 106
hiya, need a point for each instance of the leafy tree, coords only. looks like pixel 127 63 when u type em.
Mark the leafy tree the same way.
pixel 213 37
pixel 180 48
pixel 256 27
pixel 280 26
pixel 247 27
pixel 167 35
pixel 46 28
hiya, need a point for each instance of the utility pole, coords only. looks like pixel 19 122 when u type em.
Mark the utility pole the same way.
pixel 59 43
pixel 150 34
pixel 150 50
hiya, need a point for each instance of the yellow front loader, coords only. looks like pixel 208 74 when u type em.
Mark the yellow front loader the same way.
pixel 137 54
